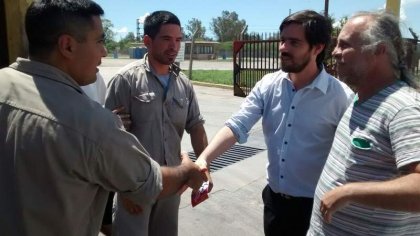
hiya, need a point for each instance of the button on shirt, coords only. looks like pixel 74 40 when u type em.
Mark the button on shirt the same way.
pixel 159 116
pixel 298 127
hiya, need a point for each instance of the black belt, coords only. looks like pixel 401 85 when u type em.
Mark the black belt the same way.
pixel 285 196
pixel 290 197
pixel 282 195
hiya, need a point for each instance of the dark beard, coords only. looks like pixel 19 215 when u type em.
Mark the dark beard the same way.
pixel 295 68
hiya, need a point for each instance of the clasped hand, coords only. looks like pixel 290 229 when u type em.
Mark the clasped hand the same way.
pixel 194 178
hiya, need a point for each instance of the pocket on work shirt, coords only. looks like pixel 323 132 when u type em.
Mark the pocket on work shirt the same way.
pixel 181 102
pixel 178 110
pixel 145 97
pixel 144 107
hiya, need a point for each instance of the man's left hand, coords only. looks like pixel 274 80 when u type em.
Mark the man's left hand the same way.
pixel 333 201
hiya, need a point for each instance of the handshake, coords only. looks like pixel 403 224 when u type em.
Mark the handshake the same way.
pixel 195 176
pixel 175 180
pixel 200 180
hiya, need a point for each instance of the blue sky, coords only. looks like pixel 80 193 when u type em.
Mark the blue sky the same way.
pixel 260 15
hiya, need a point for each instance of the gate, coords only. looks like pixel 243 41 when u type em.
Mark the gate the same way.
pixel 253 57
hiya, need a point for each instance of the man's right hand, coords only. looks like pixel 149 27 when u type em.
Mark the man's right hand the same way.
pixel 174 179
pixel 125 117
pixel 202 163
pixel 196 174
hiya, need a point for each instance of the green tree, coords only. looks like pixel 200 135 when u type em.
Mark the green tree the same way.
pixel 227 27
pixel 130 37
pixel 126 42
pixel 110 43
pixel 337 26
pixel 193 25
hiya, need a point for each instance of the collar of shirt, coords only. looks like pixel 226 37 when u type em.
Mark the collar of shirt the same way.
pixel 320 82
pixel 45 70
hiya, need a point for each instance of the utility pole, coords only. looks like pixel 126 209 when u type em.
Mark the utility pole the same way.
pixel 393 7
pixel 327 3
pixel 191 52
pixel 241 36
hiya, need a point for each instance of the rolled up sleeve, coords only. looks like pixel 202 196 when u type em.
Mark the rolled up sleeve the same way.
pixel 250 112
pixel 124 166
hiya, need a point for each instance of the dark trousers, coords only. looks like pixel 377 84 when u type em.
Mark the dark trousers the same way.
pixel 285 215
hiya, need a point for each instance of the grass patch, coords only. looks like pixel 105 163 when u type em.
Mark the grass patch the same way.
pixel 212 76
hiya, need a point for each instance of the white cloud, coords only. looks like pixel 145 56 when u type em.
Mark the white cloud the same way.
pixel 405 22
pixel 122 30
pixel 408 2
pixel 404 5
pixel 403 16
pixel 142 18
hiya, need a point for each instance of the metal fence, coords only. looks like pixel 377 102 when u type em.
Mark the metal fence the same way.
pixel 253 57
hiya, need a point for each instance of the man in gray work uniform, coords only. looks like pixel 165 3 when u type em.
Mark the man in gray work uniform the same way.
pixel 160 103
pixel 60 152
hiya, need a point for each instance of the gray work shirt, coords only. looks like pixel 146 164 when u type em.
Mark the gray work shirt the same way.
pixel 60 155
pixel 158 119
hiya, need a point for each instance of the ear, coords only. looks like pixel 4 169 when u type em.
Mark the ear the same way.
pixel 318 48
pixel 66 45
pixel 147 40
pixel 380 49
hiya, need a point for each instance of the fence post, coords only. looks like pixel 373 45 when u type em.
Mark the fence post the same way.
pixel 191 52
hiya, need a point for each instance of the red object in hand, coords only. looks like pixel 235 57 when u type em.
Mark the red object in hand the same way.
pixel 201 195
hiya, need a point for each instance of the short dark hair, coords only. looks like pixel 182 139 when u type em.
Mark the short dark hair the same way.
pixel 154 21
pixel 46 20
pixel 317 29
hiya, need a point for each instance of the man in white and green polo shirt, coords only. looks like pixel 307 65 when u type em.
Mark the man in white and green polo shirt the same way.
pixel 370 184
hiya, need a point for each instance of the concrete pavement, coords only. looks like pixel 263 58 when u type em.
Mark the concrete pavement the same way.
pixel 234 206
